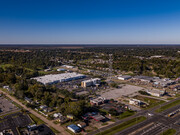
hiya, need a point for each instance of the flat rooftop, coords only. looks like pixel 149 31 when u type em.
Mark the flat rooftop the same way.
pixel 90 80
pixel 52 78
pixel 156 91
pixel 125 76
pixel 143 77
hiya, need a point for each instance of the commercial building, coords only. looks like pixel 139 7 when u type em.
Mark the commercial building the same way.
pixel 97 101
pixel 155 92
pixel 155 81
pixel 137 102
pixel 124 77
pixel 162 82
pixel 37 130
pixel 98 117
pixel 114 106
pixel 56 78
pixel 143 78
pixel 74 128
pixel 90 82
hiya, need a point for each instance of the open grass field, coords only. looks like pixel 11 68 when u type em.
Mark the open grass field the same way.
pixel 169 132
pixel 151 101
pixel 126 114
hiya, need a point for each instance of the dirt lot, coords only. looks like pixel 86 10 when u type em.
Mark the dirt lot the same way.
pixel 116 93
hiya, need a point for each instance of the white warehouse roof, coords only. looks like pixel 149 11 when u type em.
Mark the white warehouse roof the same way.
pixel 55 78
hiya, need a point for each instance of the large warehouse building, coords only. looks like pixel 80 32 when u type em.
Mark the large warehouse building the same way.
pixel 55 78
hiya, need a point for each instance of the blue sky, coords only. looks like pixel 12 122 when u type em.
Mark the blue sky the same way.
pixel 90 21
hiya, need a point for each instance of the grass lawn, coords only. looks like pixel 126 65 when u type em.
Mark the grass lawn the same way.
pixel 169 132
pixel 168 106
pixel 170 98
pixel 151 101
pixel 126 114
pixel 122 126
pixel 2 116
pixel 36 120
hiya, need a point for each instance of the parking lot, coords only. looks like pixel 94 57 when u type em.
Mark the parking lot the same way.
pixel 7 106
pixel 124 90
pixel 14 120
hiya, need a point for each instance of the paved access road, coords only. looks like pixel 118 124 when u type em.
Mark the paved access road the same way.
pixel 48 122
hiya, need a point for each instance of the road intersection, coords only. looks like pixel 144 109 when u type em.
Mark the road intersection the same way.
pixel 153 125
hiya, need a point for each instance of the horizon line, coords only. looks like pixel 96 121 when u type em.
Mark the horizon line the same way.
pixel 84 44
